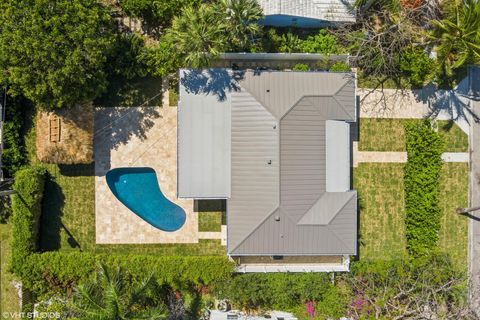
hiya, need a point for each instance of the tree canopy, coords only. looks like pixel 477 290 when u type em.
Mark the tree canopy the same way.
pixel 54 52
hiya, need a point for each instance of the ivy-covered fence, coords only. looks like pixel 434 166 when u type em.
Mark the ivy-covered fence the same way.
pixel 422 174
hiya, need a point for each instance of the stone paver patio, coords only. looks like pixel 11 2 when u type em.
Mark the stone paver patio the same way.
pixel 137 137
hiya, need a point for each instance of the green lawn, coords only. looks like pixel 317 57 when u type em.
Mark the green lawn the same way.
pixel 68 218
pixel 382 230
pixel 9 301
pixel 389 135
pixel 211 214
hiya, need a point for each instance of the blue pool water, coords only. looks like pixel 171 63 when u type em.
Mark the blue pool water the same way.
pixel 138 190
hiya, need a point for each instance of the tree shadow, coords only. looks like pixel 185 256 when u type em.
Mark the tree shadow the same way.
pixel 209 205
pixel 455 103
pixel 77 170
pixel 124 92
pixel 217 82
pixel 51 219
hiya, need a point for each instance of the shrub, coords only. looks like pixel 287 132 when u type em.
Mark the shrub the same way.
pixel 323 42
pixel 416 66
pixel 13 156
pixel 60 271
pixel 282 291
pixel 300 67
pixel 340 66
pixel 422 173
pixel 391 289
pixel 26 206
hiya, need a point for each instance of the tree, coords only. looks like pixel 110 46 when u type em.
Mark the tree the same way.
pixel 198 35
pixel 241 17
pixel 54 52
pixel 457 37
pixel 202 32
pixel 156 15
pixel 110 295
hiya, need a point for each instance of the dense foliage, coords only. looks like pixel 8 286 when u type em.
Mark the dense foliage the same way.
pixel 422 173
pixel 60 271
pixel 202 32
pixel 155 14
pixel 283 291
pixel 458 38
pixel 26 207
pixel 322 42
pixel 424 288
pixel 54 52
pixel 111 295
pixel 13 156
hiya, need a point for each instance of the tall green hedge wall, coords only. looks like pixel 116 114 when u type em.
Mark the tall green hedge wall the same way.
pixel 27 208
pixel 422 174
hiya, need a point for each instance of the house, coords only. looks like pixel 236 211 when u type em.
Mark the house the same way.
pixel 307 13
pixel 275 145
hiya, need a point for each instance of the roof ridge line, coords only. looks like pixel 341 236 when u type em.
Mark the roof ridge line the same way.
pixel 338 211
pixel 256 228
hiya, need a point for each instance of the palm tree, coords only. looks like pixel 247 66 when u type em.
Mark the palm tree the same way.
pixel 241 22
pixel 110 297
pixel 458 37
pixel 198 35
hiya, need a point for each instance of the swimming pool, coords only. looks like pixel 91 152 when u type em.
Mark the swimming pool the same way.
pixel 138 190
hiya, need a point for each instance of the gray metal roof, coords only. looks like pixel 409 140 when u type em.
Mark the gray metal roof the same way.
pixel 291 134
pixel 204 134
pixel 287 196
pixel 328 10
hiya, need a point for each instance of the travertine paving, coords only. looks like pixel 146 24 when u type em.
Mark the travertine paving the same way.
pixel 137 137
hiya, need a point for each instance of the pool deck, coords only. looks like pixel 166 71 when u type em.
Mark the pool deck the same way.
pixel 137 137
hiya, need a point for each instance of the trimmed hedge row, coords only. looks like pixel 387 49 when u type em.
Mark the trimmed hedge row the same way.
pixel 422 174
pixel 26 207
pixel 60 271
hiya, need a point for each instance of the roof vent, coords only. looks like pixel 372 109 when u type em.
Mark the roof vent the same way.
pixel 269 162
pixel 268 90
pixel 277 218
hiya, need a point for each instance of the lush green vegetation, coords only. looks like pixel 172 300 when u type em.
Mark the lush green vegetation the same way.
pixel 389 135
pixel 422 190
pixel 26 207
pixel 210 221
pixel 283 291
pixel 382 211
pixel 457 37
pixel 9 301
pixel 111 296
pixel 56 57
pixel 372 290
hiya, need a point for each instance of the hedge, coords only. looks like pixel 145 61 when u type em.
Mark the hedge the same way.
pixel 61 271
pixel 284 291
pixel 422 174
pixel 26 207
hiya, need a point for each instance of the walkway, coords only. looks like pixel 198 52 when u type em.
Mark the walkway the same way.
pixel 416 104
pixel 399 157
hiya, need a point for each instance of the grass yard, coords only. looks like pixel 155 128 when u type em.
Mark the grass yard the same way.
pixel 9 301
pixel 454 194
pixel 211 214
pixel 382 213
pixel 389 135
pixel 68 219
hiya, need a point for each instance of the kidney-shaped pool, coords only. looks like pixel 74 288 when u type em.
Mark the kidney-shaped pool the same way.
pixel 138 190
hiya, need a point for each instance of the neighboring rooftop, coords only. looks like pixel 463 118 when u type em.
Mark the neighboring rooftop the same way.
pixel 307 13
pixel 285 144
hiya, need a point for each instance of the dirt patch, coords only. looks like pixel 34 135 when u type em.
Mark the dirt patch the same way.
pixel 65 136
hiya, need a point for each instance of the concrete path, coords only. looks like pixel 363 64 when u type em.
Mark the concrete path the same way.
pixel 474 223
pixel 416 104
pixel 399 157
